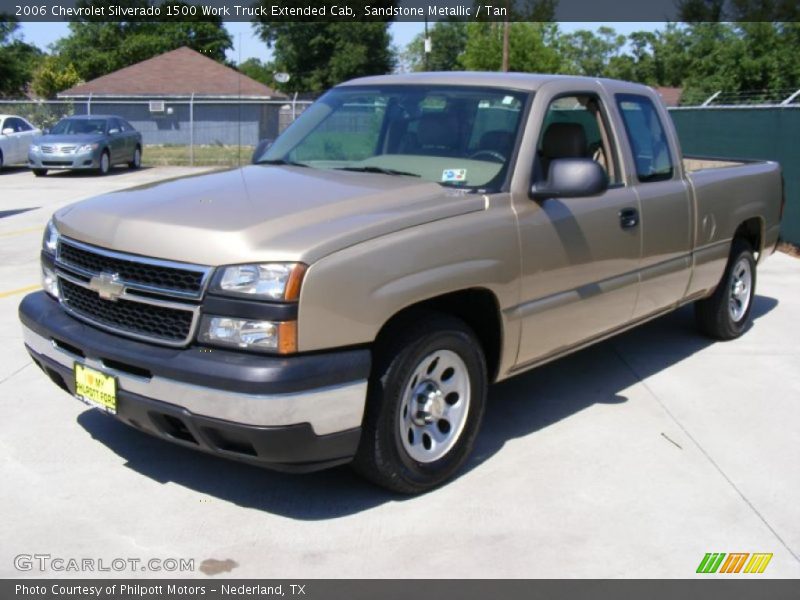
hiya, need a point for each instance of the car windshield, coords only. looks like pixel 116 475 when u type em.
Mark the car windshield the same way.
pixel 451 135
pixel 77 126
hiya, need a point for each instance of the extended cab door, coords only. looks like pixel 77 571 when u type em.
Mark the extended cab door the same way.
pixel 667 214
pixel 579 255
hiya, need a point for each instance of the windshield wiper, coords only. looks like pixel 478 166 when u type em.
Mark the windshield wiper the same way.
pixel 377 170
pixel 281 161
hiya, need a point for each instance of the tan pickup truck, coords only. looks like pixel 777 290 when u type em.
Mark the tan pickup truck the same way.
pixel 409 240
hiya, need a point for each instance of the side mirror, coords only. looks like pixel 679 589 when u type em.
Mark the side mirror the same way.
pixel 261 147
pixel 572 178
pixel 113 131
pixel 7 131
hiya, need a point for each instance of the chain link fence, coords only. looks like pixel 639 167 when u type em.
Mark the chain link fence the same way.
pixel 179 130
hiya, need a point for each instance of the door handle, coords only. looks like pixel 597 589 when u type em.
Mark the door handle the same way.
pixel 628 218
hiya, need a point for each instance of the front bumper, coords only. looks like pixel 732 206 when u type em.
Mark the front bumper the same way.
pixel 56 160
pixel 297 413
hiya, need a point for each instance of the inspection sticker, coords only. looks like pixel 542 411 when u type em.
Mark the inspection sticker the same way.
pixel 454 175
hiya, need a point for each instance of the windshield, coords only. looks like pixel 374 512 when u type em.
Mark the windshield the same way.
pixel 455 136
pixel 73 126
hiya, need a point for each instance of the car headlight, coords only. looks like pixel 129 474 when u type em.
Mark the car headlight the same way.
pixel 87 148
pixel 49 281
pixel 50 239
pixel 247 334
pixel 34 148
pixel 267 281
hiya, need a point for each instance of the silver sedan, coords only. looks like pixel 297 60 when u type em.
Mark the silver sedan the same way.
pixel 86 142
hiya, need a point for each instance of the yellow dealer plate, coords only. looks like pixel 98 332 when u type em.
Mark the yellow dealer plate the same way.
pixel 96 388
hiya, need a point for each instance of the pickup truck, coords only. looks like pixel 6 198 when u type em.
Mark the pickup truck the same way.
pixel 407 241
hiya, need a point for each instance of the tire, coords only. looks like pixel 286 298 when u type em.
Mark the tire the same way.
pixel 1 161
pixel 137 159
pixel 725 315
pixel 105 163
pixel 434 365
pixel 40 172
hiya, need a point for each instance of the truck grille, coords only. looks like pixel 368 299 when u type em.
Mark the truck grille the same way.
pixel 168 279
pixel 143 298
pixel 145 320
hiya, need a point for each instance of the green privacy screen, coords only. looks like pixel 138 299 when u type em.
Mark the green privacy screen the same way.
pixel 771 133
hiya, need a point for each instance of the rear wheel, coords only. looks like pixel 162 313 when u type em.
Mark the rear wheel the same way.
pixel 425 405
pixel 726 313
pixel 40 172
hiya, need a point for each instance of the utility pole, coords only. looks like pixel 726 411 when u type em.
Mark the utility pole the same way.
pixel 506 27
pixel 427 45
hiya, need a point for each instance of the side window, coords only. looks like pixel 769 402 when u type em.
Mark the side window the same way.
pixel 647 137
pixel 126 126
pixel 574 127
pixel 13 123
pixel 114 124
pixel 24 125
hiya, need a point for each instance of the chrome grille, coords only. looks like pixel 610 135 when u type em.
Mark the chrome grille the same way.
pixel 148 274
pixel 152 300
pixel 145 320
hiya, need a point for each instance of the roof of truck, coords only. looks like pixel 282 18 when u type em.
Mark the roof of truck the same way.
pixel 525 81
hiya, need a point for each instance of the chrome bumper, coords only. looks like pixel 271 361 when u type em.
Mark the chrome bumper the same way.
pixel 327 410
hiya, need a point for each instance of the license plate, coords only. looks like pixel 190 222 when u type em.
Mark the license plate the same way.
pixel 96 388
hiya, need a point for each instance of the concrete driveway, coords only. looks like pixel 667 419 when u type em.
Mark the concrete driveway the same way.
pixel 630 459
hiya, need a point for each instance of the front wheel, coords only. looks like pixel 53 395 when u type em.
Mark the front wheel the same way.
pixel 425 405
pixel 40 172
pixel 105 163
pixel 726 313
pixel 136 161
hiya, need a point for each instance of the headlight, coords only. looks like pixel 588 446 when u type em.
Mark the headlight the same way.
pixel 50 240
pixel 49 281
pixel 266 336
pixel 86 148
pixel 269 281
pixel 34 148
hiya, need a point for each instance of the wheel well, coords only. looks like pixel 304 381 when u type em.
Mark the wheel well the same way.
pixel 477 307
pixel 750 231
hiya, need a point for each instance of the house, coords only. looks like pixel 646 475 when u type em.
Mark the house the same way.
pixel 671 96
pixel 183 97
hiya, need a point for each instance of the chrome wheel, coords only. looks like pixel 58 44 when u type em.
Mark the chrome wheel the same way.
pixel 741 289
pixel 137 158
pixel 105 163
pixel 435 406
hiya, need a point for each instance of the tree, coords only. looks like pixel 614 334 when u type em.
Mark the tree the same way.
pixel 533 47
pixel 256 69
pixel 588 53
pixel 53 76
pixel 318 55
pixel 97 47
pixel 17 60
pixel 448 41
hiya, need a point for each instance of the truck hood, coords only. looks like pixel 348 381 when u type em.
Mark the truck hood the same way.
pixel 259 213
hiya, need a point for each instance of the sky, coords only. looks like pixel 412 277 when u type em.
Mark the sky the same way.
pixel 247 45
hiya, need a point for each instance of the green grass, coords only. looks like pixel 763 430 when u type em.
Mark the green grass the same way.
pixel 161 156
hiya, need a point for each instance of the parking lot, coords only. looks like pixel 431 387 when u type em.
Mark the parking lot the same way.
pixel 633 458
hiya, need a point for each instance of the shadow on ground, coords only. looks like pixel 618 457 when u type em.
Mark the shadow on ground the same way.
pixel 517 407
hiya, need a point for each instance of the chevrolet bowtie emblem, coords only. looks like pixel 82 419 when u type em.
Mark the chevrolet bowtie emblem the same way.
pixel 107 285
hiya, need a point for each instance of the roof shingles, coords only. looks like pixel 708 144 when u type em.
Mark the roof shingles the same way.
pixel 181 72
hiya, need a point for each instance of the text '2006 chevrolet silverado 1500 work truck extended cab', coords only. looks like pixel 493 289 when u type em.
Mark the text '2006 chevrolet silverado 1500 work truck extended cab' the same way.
pixel 407 241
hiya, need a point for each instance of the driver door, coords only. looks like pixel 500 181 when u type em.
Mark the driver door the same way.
pixel 579 255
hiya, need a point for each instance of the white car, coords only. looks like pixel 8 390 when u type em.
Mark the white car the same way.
pixel 16 135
